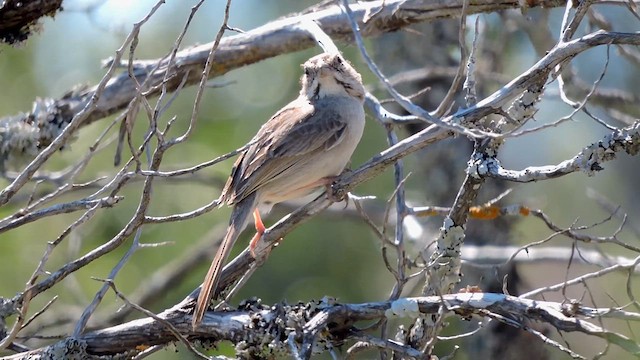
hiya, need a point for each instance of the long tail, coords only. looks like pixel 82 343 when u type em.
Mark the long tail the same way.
pixel 239 219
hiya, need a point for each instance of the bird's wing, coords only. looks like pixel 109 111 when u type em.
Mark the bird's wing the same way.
pixel 320 129
pixel 291 135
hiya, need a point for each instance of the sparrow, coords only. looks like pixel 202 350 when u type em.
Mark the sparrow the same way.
pixel 303 147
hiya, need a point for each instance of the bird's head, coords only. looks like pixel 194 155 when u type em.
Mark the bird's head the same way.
pixel 330 75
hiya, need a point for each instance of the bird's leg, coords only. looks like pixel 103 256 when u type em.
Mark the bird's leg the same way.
pixel 260 229
pixel 332 194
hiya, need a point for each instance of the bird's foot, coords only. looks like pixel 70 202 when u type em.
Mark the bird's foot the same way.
pixel 334 193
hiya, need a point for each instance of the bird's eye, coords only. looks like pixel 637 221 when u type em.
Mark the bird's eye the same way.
pixel 306 71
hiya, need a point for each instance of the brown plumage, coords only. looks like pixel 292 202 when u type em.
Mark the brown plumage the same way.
pixel 302 147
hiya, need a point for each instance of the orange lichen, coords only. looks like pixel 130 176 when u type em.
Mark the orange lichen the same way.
pixel 484 212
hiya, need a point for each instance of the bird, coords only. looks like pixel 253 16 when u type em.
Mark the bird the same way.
pixel 302 148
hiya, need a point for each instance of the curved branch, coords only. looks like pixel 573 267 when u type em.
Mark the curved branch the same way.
pixel 554 57
pixel 588 160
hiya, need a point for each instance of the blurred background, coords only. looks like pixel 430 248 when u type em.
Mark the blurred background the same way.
pixel 332 254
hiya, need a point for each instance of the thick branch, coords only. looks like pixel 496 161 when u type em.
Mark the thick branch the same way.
pixel 262 327
pixel 18 18
pixel 273 39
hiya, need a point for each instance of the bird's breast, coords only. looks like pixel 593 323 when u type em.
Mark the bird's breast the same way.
pixel 326 163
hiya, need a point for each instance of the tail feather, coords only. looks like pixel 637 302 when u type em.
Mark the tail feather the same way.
pixel 239 219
